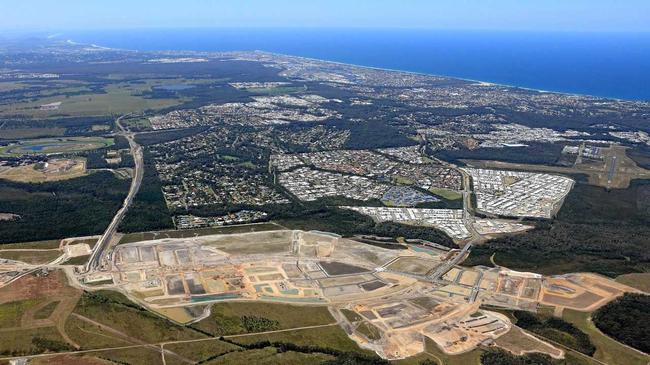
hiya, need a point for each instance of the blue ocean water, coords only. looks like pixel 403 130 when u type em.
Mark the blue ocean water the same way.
pixel 613 65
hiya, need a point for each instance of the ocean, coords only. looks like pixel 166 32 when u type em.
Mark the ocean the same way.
pixel 615 65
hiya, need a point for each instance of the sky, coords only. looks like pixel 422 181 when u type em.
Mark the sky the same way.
pixel 506 15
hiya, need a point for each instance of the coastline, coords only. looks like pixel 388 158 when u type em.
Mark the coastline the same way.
pixel 476 81
pixel 488 83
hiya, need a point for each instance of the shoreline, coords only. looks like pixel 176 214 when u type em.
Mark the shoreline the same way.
pixel 487 83
pixel 490 83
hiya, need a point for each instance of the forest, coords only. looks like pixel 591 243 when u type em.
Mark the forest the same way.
pixel 348 223
pixel 149 210
pixel 534 153
pixel 555 329
pixel 595 230
pixel 500 357
pixel 627 319
pixel 77 207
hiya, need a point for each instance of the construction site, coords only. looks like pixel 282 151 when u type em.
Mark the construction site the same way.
pixel 386 300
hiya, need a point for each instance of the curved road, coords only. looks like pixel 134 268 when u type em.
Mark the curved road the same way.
pixel 138 171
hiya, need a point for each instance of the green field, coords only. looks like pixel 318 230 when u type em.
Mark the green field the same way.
pixel 30 257
pixel 226 318
pixel 114 98
pixel 351 316
pixel 47 310
pixel 639 281
pixel 468 358
pixel 54 145
pixel 201 350
pixel 19 133
pixel 132 356
pixel 269 356
pixel 79 260
pixel 137 124
pixel 446 193
pixel 607 349
pixel 116 311
pixel 332 337
pixel 369 330
pixel 186 233
pixel 89 336
pixel 26 342
pixel 11 313
pixel 47 244
pixel 278 90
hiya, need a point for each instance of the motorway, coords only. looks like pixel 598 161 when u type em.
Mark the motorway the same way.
pixel 138 172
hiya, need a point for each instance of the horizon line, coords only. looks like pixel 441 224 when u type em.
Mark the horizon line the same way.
pixel 21 30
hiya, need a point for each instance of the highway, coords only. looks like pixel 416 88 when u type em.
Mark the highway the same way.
pixel 446 266
pixel 138 171
pixel 468 219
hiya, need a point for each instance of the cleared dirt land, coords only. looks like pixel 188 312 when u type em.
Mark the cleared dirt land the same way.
pixel 518 342
pixel 53 170
pixel 33 311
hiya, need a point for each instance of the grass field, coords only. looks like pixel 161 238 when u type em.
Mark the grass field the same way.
pixel 369 330
pixel 137 124
pixel 446 193
pixel 468 358
pixel 22 342
pixel 351 316
pixel 607 349
pixel 70 360
pixel 116 311
pixel 20 133
pixel 133 356
pixel 89 336
pixel 117 98
pixel 11 313
pixel 30 257
pixel 33 244
pixel 278 90
pixel 201 350
pixel 12 85
pixel 54 145
pixel 269 356
pixel 79 260
pixel 100 127
pixel 639 281
pixel 225 318
pixel 47 310
pixel 332 337
pixel 517 342
pixel 417 360
pixel 185 233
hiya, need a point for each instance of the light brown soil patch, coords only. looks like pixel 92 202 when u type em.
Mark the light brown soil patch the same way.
pixel 70 360
pixel 518 342
pixel 32 287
